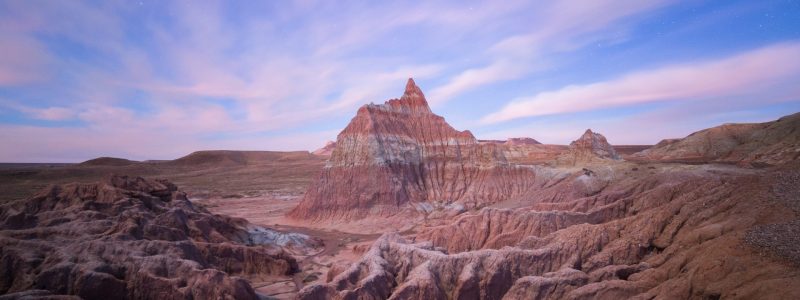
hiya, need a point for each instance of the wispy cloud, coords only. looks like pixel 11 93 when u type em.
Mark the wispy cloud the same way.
pixel 758 69
pixel 558 26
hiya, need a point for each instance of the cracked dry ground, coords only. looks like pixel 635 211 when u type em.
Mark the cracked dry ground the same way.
pixel 654 232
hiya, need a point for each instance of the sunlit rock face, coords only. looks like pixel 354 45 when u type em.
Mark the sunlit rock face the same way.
pixel 399 153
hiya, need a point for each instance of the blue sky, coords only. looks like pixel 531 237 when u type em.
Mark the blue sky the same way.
pixel 160 79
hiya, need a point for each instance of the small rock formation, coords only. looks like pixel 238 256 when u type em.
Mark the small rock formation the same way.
pixel 522 141
pixel 769 143
pixel 397 154
pixel 590 147
pixel 326 150
pixel 128 238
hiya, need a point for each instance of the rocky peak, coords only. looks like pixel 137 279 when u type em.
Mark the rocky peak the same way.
pixel 596 144
pixel 590 147
pixel 412 89
pixel 412 101
pixel 398 125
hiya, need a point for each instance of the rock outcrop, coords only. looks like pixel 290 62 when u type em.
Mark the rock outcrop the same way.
pixel 129 238
pixel 590 147
pixel 396 155
pixel 760 144
pixel 675 234
pixel 522 141
pixel 326 150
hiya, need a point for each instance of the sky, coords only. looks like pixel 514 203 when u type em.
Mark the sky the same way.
pixel 160 79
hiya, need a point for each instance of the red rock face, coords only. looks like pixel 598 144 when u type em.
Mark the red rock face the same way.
pixel 400 153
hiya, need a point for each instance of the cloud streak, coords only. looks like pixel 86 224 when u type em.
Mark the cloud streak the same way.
pixel 748 72
pixel 560 26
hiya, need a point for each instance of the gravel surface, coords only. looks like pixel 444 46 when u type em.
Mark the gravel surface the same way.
pixel 782 240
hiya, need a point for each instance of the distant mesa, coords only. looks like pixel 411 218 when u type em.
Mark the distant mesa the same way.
pixel 326 150
pixel 512 141
pixel 237 158
pixel 108 161
pixel 216 157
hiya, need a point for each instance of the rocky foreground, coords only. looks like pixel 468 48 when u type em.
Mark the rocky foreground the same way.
pixel 131 238
pixel 675 233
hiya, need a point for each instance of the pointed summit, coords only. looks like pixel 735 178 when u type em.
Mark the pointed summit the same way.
pixel 594 143
pixel 412 88
pixel 587 134
pixel 413 98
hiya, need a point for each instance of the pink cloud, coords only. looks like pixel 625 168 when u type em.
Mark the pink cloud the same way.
pixel 759 69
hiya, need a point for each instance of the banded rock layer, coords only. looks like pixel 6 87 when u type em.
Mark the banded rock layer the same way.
pixel 399 154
